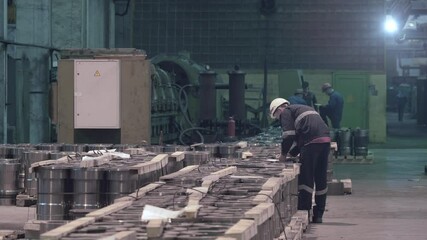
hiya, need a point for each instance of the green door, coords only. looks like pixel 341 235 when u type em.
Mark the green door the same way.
pixel 354 89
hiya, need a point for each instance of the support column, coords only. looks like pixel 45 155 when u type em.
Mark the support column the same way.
pixel 3 72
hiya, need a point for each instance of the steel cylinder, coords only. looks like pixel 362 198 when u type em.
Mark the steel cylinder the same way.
pixel 49 146
pixel 91 147
pixel 207 92
pixel 196 158
pixel 5 151
pixel 74 148
pixel 121 182
pixel 227 150
pixel 236 93
pixel 361 140
pixel 30 157
pixel 344 142
pixel 9 185
pixel 54 194
pixel 87 187
pixel 211 148
pixel 18 153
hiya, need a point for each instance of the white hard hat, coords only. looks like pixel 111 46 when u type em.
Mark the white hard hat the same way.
pixel 275 104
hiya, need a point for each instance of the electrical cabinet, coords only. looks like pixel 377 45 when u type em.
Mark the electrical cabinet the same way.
pixel 97 94
pixel 104 96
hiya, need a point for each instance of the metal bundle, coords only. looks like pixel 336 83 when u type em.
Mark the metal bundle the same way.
pixel 255 183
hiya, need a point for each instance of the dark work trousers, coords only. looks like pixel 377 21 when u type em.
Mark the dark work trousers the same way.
pixel 313 172
pixel 324 114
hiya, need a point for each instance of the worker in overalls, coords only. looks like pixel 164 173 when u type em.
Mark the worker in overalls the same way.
pixel 304 126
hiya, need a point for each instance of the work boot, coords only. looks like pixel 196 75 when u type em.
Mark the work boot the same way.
pixel 317 215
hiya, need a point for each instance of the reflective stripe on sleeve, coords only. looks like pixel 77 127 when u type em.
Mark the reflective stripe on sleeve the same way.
pixel 288 133
pixel 302 115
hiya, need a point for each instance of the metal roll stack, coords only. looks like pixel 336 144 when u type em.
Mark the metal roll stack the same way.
pixel 54 192
pixel 87 187
pixel 79 148
pixel 226 150
pixel 121 182
pixel 211 148
pixel 258 183
pixel 30 157
pixel 9 185
pixel 196 158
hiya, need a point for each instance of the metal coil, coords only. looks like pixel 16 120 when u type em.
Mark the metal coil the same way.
pixel 9 172
pixel 87 187
pixel 121 182
pixel 74 148
pixel 30 184
pixel 196 158
pixel 54 193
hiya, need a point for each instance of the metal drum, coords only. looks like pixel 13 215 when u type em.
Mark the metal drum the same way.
pixel 121 182
pixel 29 158
pixel 344 142
pixel 5 151
pixel 196 158
pixel 227 150
pixel 211 148
pixel 91 147
pixel 54 193
pixel 49 146
pixel 361 140
pixel 74 148
pixel 175 148
pixel 122 147
pixel 87 187
pixel 154 148
pixel 18 153
pixel 9 172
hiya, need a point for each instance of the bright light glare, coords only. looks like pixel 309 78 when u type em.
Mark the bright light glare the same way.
pixel 390 24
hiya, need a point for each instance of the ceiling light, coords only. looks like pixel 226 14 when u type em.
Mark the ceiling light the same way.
pixel 390 24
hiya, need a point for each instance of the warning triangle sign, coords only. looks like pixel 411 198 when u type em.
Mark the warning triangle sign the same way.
pixel 97 74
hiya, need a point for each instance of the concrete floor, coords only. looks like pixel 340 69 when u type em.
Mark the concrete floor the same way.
pixel 389 196
pixel 14 218
pixel 388 200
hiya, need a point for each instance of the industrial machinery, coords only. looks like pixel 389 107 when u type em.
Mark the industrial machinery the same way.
pixel 119 96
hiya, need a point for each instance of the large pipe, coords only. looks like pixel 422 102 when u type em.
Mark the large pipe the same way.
pixel 237 94
pixel 207 94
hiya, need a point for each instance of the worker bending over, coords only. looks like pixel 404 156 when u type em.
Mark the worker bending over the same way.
pixel 303 125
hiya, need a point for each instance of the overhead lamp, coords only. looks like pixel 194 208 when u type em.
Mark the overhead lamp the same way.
pixel 390 24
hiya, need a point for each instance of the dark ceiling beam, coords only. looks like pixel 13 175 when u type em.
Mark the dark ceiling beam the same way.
pixel 418 8
pixel 414 35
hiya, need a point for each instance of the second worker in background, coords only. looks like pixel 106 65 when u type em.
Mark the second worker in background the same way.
pixel 333 110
